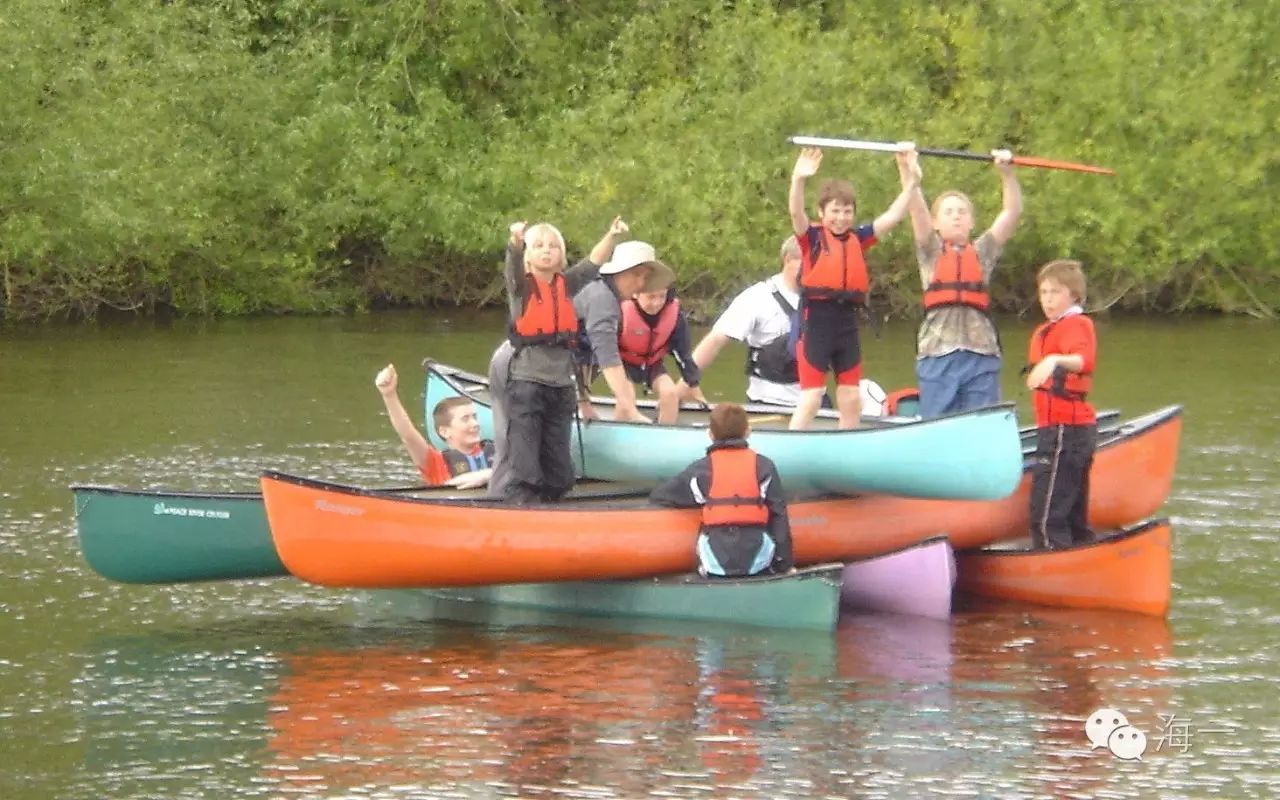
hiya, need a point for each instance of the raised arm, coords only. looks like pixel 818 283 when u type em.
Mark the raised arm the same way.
pixel 908 171
pixel 806 166
pixel 1007 220
pixel 414 442
pixel 604 248
pixel 513 269
pixel 898 209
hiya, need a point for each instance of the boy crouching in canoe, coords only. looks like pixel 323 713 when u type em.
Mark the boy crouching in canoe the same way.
pixel 466 463
pixel 744 530
pixel 1060 371
pixel 653 327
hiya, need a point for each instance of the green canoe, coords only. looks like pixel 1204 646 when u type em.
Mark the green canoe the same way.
pixel 172 537
pixel 808 598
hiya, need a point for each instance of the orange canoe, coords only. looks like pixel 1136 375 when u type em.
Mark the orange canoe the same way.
pixel 1128 571
pixel 345 536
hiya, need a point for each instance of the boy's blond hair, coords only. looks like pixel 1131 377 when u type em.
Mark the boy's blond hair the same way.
pixel 836 190
pixel 1066 272
pixel 729 421
pixel 532 230
pixel 937 201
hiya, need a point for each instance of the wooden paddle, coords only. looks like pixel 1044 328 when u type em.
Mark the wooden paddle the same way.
pixel 886 147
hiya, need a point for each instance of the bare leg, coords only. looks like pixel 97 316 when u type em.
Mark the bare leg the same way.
pixel 849 404
pixel 668 399
pixel 807 408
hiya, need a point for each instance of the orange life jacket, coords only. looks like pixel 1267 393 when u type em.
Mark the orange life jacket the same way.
pixel 957 279
pixel 548 316
pixel 733 496
pixel 641 344
pixel 836 269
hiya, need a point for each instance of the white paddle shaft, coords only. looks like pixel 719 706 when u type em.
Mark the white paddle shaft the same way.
pixel 844 144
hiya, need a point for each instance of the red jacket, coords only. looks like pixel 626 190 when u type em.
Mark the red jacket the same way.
pixel 1063 398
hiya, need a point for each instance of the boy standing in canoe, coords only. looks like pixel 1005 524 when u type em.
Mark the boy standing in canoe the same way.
pixel 538 402
pixel 957 347
pixel 467 461
pixel 745 530
pixel 1060 366
pixel 834 285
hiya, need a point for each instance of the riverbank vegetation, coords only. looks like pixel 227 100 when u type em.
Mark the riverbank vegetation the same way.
pixel 245 156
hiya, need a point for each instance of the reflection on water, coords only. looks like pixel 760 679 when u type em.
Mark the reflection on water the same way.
pixel 993 701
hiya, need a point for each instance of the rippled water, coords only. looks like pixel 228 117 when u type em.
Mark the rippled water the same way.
pixel 277 689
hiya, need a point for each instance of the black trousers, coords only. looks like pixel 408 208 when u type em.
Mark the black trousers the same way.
pixel 1060 485
pixel 539 454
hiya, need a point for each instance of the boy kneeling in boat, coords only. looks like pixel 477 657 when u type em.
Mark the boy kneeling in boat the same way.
pixel 467 461
pixel 745 530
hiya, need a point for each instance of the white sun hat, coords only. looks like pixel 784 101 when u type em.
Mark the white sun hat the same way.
pixel 636 254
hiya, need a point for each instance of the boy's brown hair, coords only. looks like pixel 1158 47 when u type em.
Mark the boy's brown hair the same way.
pixel 729 421
pixel 839 190
pixel 1066 272
pixel 442 414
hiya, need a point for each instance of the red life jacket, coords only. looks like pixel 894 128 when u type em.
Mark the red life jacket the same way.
pixel 641 344
pixel 548 316
pixel 1062 398
pixel 733 496
pixel 957 279
pixel 836 270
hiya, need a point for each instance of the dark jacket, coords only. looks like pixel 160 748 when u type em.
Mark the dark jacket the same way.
pixel 689 490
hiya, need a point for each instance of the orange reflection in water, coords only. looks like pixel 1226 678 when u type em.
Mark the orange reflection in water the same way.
pixel 468 714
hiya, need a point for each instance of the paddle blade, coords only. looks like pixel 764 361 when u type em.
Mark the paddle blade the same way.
pixel 1046 163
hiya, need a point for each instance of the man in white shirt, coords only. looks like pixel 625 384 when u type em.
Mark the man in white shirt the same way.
pixel 760 317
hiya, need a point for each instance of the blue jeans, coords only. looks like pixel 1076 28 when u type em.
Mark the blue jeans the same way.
pixel 959 381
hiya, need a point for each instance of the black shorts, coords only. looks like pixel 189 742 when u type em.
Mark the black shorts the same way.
pixel 646 375
pixel 829 343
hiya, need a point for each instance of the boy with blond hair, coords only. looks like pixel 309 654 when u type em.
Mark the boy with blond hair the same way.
pixel 957 346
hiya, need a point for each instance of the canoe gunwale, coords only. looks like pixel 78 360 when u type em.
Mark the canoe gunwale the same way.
pixel 1118 537
pixel 447 373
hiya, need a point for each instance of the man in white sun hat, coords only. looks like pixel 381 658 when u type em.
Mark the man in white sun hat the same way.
pixel 633 268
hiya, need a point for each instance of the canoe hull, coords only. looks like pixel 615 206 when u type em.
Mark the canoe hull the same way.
pixel 344 536
pixel 809 598
pixel 174 537
pixel 976 455
pixel 1129 571
pixel 915 580
pixel 1130 479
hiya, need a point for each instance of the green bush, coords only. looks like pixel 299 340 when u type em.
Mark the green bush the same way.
pixel 244 156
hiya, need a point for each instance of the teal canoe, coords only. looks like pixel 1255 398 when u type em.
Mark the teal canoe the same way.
pixel 808 598
pixel 172 537
pixel 975 455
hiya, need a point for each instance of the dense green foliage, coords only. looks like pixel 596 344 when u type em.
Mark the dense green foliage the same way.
pixel 233 156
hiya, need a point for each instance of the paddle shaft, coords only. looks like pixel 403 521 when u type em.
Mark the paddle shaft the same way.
pixel 886 147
